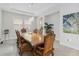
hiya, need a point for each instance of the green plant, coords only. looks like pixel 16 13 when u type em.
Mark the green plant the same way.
pixel 48 27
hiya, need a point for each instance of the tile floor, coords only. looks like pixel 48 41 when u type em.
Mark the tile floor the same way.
pixel 61 50
pixel 9 48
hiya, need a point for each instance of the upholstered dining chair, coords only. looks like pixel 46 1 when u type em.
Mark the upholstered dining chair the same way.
pixel 18 40
pixel 23 30
pixel 46 48
pixel 23 45
pixel 18 37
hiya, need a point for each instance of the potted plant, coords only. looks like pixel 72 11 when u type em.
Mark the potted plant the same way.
pixel 48 27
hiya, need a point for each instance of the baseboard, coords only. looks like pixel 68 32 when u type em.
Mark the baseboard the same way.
pixel 70 46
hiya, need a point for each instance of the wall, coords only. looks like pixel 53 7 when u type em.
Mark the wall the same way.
pixel 54 18
pixel 70 40
pixel 66 39
pixel 7 22
pixel 8 19
pixel 0 23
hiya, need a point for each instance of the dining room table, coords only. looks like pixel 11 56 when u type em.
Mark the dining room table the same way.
pixel 28 36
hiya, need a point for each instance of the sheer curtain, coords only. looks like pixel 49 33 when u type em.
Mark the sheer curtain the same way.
pixel 29 24
pixel 17 24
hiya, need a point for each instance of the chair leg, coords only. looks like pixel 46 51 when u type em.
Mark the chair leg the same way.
pixel 52 53
pixel 33 52
pixel 20 53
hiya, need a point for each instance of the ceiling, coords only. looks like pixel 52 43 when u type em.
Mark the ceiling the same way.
pixel 27 8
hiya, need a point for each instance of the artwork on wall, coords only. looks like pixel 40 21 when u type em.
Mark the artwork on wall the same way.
pixel 71 23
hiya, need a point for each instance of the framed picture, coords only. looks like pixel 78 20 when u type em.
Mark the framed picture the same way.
pixel 71 23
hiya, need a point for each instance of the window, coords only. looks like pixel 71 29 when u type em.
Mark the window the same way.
pixel 30 24
pixel 17 23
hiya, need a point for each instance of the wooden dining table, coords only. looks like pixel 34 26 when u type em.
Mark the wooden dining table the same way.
pixel 28 36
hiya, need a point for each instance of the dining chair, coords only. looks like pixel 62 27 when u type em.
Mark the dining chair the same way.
pixel 22 44
pixel 18 37
pixel 46 48
pixel 23 30
pixel 25 46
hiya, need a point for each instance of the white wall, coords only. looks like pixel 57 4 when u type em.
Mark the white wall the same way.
pixel 0 23
pixel 54 18
pixel 70 40
pixel 7 22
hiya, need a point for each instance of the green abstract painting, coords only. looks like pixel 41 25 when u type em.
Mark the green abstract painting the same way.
pixel 71 23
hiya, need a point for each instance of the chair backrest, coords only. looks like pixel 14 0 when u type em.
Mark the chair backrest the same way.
pixel 17 34
pixel 23 30
pixel 19 37
pixel 48 43
pixel 35 37
pixel 21 40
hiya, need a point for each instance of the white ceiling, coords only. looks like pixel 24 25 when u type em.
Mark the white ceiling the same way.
pixel 29 8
